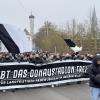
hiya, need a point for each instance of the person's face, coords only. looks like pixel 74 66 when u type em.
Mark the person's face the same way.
pixel 98 62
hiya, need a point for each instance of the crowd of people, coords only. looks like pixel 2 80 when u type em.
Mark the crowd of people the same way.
pixel 39 57
pixel 46 57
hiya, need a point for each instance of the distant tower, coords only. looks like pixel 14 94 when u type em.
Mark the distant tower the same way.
pixel 94 23
pixel 31 19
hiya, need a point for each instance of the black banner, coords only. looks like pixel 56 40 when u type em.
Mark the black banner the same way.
pixel 15 74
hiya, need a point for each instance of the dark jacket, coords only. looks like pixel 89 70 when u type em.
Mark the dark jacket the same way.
pixel 94 71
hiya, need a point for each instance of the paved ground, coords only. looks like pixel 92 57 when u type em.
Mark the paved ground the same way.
pixel 66 92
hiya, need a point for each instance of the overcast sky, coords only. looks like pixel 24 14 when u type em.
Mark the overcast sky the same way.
pixel 57 11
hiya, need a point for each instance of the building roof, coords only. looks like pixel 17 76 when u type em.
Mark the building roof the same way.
pixel 31 16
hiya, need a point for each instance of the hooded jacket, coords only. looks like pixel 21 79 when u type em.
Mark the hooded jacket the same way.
pixel 93 71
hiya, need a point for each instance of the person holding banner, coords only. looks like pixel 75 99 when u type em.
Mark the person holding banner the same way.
pixel 94 75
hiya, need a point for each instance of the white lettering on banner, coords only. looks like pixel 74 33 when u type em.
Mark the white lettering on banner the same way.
pixel 36 73
pixel 60 70
pixel 8 73
pixel 44 72
pixel 52 71
pixel 15 73
pixel 33 73
pixel 25 73
pixel 20 73
pixel 3 74
pixel 68 71
pixel 40 73
pixel 47 72
pixel 81 69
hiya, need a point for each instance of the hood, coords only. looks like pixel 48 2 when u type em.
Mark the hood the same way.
pixel 95 59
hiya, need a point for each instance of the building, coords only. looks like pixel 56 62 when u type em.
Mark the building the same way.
pixel 31 19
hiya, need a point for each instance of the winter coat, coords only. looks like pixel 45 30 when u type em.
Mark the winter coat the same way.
pixel 94 73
